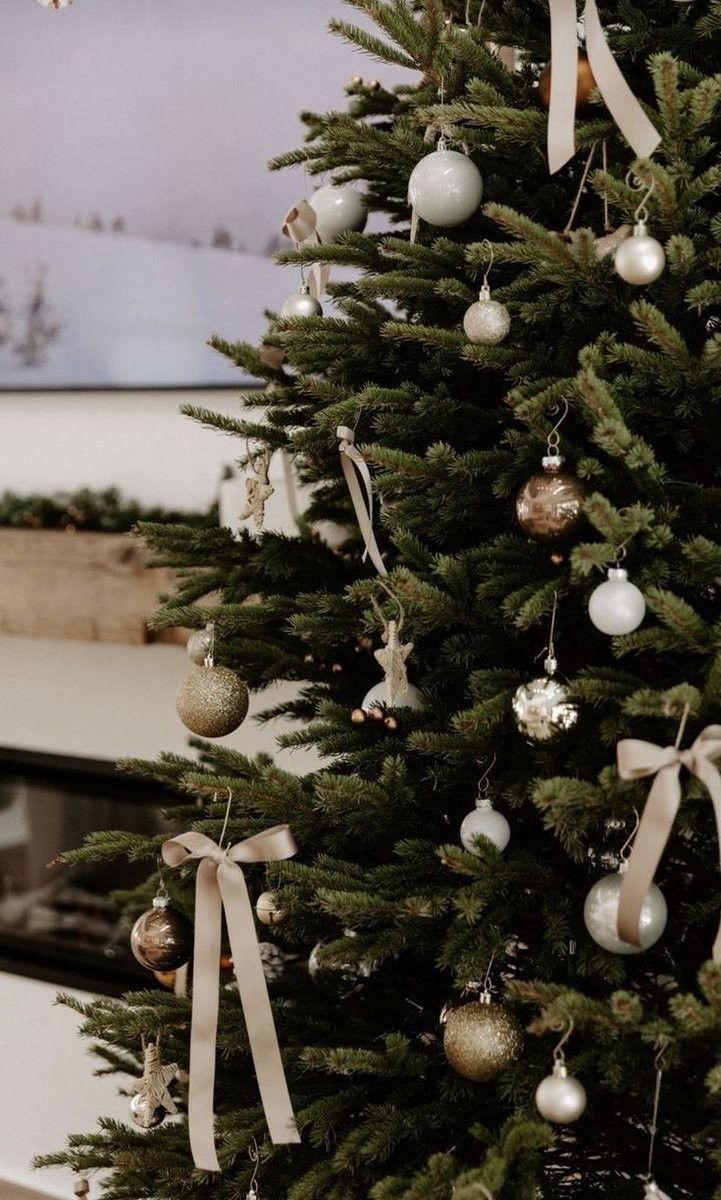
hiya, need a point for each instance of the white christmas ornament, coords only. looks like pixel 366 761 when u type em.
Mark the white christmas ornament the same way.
pixel 617 606
pixel 301 304
pixel 486 322
pixel 485 821
pixel 407 697
pixel 640 259
pixel 339 208
pixel 600 912
pixel 561 1097
pixel 445 187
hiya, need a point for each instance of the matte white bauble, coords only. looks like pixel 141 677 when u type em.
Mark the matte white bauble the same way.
pixel 301 304
pixel 409 697
pixel 485 821
pixel 617 606
pixel 339 208
pixel 445 188
pixel 600 912
pixel 561 1097
pixel 640 259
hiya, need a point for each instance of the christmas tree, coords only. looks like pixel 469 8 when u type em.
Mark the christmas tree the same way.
pixel 489 562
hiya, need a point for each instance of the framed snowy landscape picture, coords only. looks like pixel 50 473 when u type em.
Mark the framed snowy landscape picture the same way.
pixel 137 214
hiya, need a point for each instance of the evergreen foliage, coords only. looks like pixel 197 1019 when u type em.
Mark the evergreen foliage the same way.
pixel 452 431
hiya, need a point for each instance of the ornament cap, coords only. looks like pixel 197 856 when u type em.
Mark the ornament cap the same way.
pixel 303 289
pixel 640 229
pixel 485 293
pixel 550 664
pixel 161 901
pixel 552 462
pixel 484 803
pixel 617 574
pixel 485 997
pixel 560 1070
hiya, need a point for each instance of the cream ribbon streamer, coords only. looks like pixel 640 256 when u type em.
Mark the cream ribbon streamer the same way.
pixel 638 760
pixel 350 458
pixel 301 226
pixel 639 132
pixel 220 885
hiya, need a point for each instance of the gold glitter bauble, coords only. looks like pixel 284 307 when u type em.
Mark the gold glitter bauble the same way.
pixel 268 911
pixel 584 85
pixel 481 1039
pixel 213 701
pixel 162 939
pixel 550 505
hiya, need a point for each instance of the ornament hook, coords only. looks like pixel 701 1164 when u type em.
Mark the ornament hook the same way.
pixel 209 660
pixel 625 851
pixel 558 1055
pixel 254 1156
pixel 554 438
pixel 637 185
pixel 227 817
pixel 682 724
pixel 483 781
pixel 487 242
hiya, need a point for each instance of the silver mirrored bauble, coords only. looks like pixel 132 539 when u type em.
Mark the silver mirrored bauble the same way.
pixel 213 701
pixel 481 1039
pixel 600 912
pixel 617 606
pixel 301 304
pixel 345 977
pixel 162 938
pixel 640 259
pixel 560 1097
pixel 544 709
pixel 486 822
pixel 409 697
pixel 445 188
pixel 199 645
pixel 145 1113
pixel 339 208
pixel 486 322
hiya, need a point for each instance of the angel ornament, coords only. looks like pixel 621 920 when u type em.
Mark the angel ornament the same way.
pixel 152 1101
pixel 258 488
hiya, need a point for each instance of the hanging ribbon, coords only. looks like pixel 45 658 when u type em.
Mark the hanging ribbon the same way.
pixel 623 106
pixel 301 226
pixel 638 760
pixel 220 885
pixel 350 459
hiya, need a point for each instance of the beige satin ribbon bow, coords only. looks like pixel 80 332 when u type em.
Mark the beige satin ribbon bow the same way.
pixel 623 106
pixel 220 884
pixel 301 226
pixel 638 760
pixel 350 458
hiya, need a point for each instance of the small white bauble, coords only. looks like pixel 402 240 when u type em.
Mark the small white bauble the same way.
pixel 301 304
pixel 560 1097
pixel 600 912
pixel 486 322
pixel 544 709
pixel 339 208
pixel 410 697
pixel 485 821
pixel 199 645
pixel 640 259
pixel 445 187
pixel 617 606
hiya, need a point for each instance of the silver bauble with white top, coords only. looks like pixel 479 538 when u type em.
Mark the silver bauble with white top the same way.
pixel 600 912
pixel 487 322
pixel 484 821
pixel 445 188
pixel 339 208
pixel 640 259
pixel 302 304
pixel 617 606
pixel 561 1097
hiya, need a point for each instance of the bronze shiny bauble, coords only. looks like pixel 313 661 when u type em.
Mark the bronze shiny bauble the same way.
pixel 549 506
pixel 376 714
pixel 358 716
pixel 166 979
pixel 584 85
pixel 213 701
pixel 145 1113
pixel 162 938
pixel 481 1039
pixel 391 724
pixel 268 910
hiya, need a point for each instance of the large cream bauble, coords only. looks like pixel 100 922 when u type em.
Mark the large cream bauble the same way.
pixel 339 208
pixel 445 188
pixel 301 304
pixel 561 1097
pixel 617 606
pixel 600 912
pixel 640 259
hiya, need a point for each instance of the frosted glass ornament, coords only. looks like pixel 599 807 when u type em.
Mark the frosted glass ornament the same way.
pixel 600 912
pixel 617 606
pixel 640 259
pixel 301 304
pixel 445 187
pixel 339 208
pixel 484 820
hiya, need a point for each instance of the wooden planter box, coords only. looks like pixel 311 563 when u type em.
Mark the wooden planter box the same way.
pixel 90 586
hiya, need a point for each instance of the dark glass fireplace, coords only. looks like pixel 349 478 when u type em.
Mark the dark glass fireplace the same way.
pixel 57 922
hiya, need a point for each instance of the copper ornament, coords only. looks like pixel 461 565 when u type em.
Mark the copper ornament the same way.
pixel 481 1039
pixel 550 505
pixel 584 85
pixel 162 938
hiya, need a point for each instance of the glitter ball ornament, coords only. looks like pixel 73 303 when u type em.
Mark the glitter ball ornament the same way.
pixel 481 1039
pixel 560 1097
pixel 617 606
pixel 486 322
pixel 445 187
pixel 549 506
pixel 268 911
pixel 162 938
pixel 213 701
pixel 640 259
pixel 585 82
pixel 485 822
pixel 301 304
pixel 544 709
pixel 200 645
pixel 339 208
pixel 600 912
pixel 374 701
